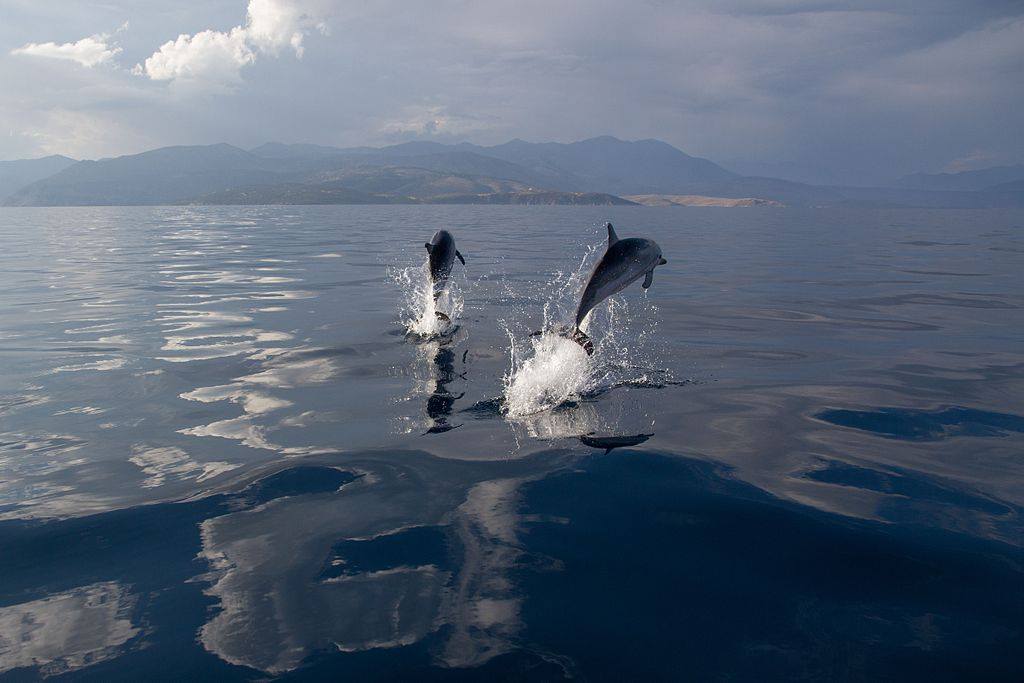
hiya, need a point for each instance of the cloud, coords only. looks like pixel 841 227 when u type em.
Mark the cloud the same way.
pixel 89 52
pixel 218 56
pixel 207 55
pixel 431 121
pixel 976 159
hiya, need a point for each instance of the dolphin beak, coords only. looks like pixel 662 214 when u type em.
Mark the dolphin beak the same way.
pixel 662 262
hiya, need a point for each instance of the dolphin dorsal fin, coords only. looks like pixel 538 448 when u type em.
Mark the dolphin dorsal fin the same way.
pixel 612 237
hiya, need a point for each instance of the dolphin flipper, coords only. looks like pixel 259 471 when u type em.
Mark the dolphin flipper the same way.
pixel 459 255
pixel 648 279
pixel 427 245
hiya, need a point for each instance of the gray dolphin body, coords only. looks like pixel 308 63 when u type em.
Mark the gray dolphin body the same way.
pixel 441 255
pixel 624 262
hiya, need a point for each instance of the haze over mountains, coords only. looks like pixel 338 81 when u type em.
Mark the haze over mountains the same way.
pixel 965 181
pixel 15 175
pixel 600 170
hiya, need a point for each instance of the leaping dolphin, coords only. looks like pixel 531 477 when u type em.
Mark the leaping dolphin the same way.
pixel 622 264
pixel 441 256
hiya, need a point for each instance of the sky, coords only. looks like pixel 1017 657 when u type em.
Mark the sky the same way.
pixel 844 92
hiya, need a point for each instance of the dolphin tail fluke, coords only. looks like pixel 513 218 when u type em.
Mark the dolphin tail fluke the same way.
pixel 575 334
pixel 442 317
pixel 583 340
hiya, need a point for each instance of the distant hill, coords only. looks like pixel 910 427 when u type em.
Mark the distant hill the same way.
pixel 1006 194
pixel 20 173
pixel 597 170
pixel 965 181
pixel 332 193
pixel 415 182
pixel 792 171
pixel 607 164
pixel 1014 186
pixel 289 193
pixel 457 162
pixel 604 164
pixel 160 176
pixel 175 174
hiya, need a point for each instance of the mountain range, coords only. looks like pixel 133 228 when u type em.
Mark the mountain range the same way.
pixel 965 181
pixel 16 174
pixel 600 170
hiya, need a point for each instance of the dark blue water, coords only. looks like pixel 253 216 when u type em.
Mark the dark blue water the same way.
pixel 799 455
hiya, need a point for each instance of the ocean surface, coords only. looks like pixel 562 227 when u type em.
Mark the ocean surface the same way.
pixel 235 444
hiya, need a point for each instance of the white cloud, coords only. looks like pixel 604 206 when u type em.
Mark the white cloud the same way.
pixel 218 56
pixel 275 23
pixel 207 55
pixel 89 52
pixel 430 121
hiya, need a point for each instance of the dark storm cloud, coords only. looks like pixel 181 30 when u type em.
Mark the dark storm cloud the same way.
pixel 865 90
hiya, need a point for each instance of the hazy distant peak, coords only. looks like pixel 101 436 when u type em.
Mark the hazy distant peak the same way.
pixel 217 147
pixel 52 158
pixel 19 173
pixel 964 180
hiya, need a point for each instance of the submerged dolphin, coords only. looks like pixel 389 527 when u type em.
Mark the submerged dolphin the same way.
pixel 622 264
pixel 441 253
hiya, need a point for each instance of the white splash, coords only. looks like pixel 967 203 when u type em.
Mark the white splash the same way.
pixel 420 307
pixel 557 371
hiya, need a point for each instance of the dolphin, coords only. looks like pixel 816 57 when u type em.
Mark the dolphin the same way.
pixel 623 263
pixel 441 254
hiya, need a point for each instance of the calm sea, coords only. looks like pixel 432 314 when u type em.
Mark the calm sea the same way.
pixel 799 454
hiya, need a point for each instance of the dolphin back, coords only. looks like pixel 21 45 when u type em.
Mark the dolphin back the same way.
pixel 441 255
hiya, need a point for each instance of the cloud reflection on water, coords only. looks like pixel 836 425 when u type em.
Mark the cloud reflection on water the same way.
pixel 67 631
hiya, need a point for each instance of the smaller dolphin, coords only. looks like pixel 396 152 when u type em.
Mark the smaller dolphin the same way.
pixel 622 264
pixel 441 256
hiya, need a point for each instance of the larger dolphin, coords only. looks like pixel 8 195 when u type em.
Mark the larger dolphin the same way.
pixel 441 255
pixel 623 263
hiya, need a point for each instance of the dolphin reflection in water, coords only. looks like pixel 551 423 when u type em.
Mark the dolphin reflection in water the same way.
pixel 609 443
pixel 441 255
pixel 442 401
